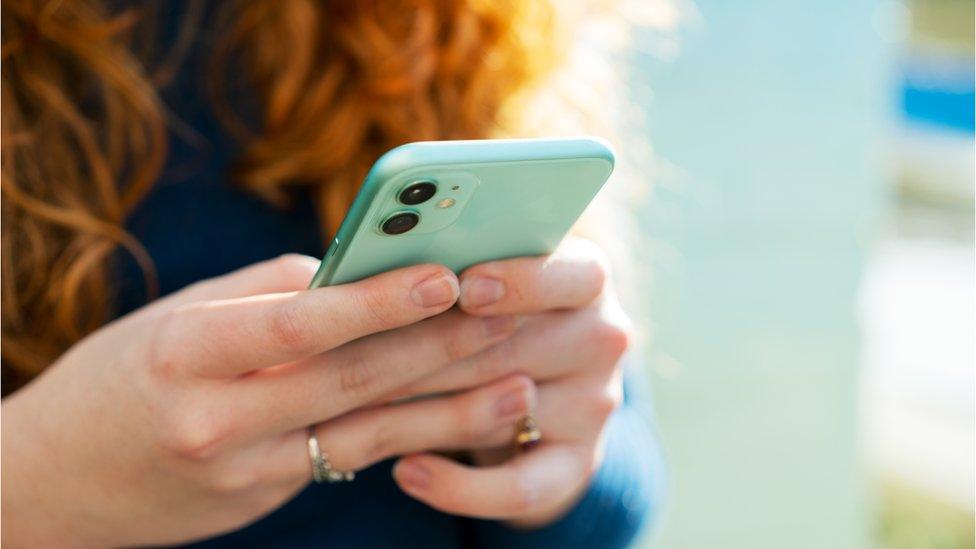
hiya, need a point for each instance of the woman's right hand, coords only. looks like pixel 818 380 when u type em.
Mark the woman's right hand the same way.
pixel 187 418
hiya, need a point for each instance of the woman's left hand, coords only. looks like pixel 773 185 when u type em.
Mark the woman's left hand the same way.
pixel 572 336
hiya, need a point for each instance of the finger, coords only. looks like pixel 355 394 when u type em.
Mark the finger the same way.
pixel 528 483
pixel 546 347
pixel 286 273
pixel 571 277
pixel 567 411
pixel 362 372
pixel 235 336
pixel 362 438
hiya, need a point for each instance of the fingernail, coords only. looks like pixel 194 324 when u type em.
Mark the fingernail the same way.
pixel 512 403
pixel 481 291
pixel 436 290
pixel 498 325
pixel 413 475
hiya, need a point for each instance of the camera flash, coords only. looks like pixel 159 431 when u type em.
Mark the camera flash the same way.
pixel 446 203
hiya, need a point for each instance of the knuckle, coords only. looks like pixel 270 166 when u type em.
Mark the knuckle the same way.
pixel 192 437
pixel 599 273
pixel 497 362
pixel 357 376
pixel 383 443
pixel 612 338
pixel 454 347
pixel 596 263
pixel 163 353
pixel 287 326
pixel 606 403
pixel 378 308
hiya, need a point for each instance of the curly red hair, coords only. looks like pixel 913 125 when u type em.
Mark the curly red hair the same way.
pixel 84 132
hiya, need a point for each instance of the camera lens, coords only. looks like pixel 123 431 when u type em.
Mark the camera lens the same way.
pixel 418 192
pixel 400 223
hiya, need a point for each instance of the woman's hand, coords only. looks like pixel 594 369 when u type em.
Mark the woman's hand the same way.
pixel 187 418
pixel 571 339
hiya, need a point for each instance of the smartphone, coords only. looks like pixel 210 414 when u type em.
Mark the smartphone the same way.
pixel 460 203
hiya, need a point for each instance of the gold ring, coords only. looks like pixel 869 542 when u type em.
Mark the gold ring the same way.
pixel 527 434
pixel 322 470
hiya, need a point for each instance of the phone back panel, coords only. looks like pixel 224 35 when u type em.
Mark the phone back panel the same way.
pixel 495 199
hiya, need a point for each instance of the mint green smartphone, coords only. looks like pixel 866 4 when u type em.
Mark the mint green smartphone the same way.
pixel 459 203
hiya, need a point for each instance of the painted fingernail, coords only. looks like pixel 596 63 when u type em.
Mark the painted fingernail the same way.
pixel 496 326
pixel 436 290
pixel 515 402
pixel 481 291
pixel 412 475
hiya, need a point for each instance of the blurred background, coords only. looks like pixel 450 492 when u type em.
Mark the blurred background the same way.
pixel 810 232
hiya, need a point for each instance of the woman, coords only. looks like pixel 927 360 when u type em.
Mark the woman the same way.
pixel 192 418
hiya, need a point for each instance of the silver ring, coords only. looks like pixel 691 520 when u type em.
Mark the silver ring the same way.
pixel 322 470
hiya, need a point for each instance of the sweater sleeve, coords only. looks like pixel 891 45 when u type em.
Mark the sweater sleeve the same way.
pixel 624 496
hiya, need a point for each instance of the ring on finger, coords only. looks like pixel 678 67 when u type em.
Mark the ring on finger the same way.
pixel 322 470
pixel 527 434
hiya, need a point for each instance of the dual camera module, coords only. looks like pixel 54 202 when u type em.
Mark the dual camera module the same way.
pixel 413 194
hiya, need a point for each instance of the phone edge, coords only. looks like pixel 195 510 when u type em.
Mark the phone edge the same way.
pixel 432 153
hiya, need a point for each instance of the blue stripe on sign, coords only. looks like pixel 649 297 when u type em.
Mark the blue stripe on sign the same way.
pixel 952 109
pixel 937 88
